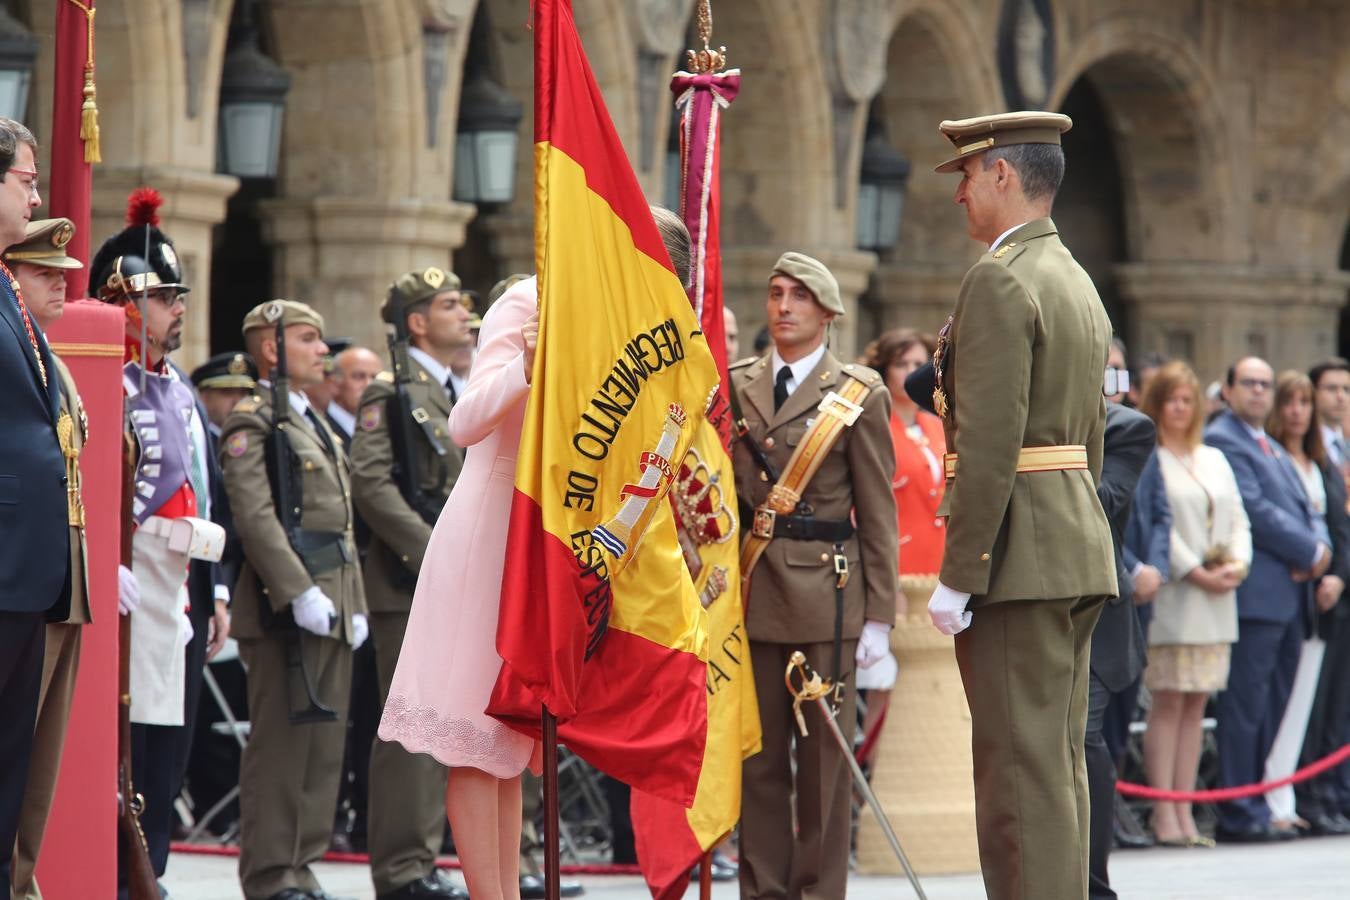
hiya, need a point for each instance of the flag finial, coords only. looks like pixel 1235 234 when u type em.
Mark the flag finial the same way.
pixel 707 59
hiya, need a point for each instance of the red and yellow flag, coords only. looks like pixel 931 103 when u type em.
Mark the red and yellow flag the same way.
pixel 599 618
pixel 670 839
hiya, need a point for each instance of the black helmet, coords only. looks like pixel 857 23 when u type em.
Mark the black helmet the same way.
pixel 120 267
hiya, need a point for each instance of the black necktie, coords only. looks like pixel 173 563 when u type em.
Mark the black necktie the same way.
pixel 450 388
pixel 323 432
pixel 780 391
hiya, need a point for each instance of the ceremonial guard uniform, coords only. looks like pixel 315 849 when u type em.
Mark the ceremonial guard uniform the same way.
pixel 45 246
pixel 403 467
pixel 821 566
pixel 1019 372
pixel 289 776
pixel 171 483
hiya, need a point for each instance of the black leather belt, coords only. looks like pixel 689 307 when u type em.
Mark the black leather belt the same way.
pixel 321 551
pixel 809 528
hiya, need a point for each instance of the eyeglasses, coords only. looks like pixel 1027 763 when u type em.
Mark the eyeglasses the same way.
pixel 1252 384
pixel 31 183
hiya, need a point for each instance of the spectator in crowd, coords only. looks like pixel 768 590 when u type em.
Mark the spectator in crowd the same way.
pixel 1115 359
pixel 1324 800
pixel 1287 557
pixel 1195 619
pixel 1294 423
pixel 733 334
pixel 1141 373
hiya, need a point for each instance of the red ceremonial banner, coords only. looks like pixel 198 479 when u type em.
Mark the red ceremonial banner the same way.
pixel 79 851
pixel 71 177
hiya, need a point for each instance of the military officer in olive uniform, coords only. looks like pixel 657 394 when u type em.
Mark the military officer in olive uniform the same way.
pixel 289 776
pixel 825 577
pixel 40 264
pixel 399 489
pixel 1029 558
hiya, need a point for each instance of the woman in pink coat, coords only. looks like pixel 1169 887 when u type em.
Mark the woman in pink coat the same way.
pixel 449 660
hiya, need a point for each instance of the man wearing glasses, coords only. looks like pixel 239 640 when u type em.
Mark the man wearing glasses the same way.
pixel 35 552
pixel 1287 558
pixel 173 480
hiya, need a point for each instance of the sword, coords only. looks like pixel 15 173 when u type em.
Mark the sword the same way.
pixel 816 689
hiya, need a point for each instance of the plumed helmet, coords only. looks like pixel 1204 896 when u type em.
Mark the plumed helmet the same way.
pixel 121 268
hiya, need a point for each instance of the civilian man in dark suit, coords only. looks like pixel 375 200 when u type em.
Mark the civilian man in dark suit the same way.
pixel 1118 647
pixel 1286 559
pixel 35 552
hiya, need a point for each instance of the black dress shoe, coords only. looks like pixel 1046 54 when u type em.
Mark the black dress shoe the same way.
pixel 291 894
pixel 321 894
pixel 1328 825
pixel 1251 836
pixel 532 888
pixel 433 884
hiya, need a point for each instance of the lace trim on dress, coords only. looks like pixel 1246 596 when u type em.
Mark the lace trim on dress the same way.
pixel 423 727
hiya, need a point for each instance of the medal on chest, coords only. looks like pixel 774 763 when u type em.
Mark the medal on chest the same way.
pixel 940 404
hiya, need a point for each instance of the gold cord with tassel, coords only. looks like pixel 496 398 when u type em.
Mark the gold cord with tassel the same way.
pixel 89 109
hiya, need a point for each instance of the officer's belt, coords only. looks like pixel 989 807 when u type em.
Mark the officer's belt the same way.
pixel 1035 459
pixel 809 528
pixel 321 551
pixel 838 411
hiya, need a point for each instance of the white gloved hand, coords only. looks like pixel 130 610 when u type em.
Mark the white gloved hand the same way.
pixel 314 612
pixel 360 630
pixel 128 591
pixel 947 609
pixel 873 644
pixel 186 630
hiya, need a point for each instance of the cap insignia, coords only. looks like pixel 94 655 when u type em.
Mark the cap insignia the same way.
pixel 170 258
pixel 237 365
pixel 62 235
pixel 273 311
pixel 434 277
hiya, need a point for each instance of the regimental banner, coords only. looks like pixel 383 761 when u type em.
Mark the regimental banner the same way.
pixel 669 839
pixel 600 620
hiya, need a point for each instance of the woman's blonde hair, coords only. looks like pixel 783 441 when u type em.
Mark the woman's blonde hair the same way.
pixel 1162 385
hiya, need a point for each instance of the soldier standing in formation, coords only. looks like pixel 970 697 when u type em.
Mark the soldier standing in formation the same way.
pixel 306 574
pixel 403 467
pixel 40 264
pixel 821 584
pixel 1019 372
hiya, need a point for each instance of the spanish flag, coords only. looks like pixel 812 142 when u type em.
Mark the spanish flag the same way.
pixel 670 839
pixel 599 621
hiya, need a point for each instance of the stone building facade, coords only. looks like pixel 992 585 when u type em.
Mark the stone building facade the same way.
pixel 1209 173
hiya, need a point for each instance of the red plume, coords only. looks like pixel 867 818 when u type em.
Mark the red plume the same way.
pixel 143 206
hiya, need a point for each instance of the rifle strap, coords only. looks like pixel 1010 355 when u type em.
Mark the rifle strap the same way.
pixel 743 434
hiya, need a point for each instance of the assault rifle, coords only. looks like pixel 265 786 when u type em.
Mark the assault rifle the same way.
pixel 288 498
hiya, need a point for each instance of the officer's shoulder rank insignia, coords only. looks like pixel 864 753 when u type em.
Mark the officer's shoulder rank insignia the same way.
pixel 1004 250
pixel 370 416
pixel 248 405
pixel 237 444
pixel 386 376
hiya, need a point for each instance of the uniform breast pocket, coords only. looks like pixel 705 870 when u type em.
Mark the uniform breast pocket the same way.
pixel 793 433
pixel 9 490
pixel 315 467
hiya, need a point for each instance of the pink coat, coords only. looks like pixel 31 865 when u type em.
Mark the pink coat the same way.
pixel 449 660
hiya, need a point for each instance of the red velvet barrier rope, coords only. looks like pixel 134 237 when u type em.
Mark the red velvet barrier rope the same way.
pixel 1236 793
pixel 444 862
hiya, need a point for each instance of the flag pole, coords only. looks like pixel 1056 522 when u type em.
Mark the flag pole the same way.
pixel 552 839
pixel 705 875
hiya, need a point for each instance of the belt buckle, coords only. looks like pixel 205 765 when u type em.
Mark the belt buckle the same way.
pixel 841 408
pixel 840 570
pixel 762 525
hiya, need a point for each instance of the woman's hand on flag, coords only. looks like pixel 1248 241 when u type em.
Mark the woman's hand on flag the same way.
pixel 529 332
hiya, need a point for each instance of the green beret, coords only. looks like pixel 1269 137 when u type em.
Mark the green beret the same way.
pixel 226 370
pixel 265 315
pixel 44 244
pixel 813 274
pixel 413 288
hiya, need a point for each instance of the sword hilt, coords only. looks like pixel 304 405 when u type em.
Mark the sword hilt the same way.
pixel 813 686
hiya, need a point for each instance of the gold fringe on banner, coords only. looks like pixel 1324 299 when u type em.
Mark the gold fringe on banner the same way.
pixel 89 109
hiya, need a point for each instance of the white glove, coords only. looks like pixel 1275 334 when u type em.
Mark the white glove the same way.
pixel 314 612
pixel 360 631
pixel 947 609
pixel 186 630
pixel 128 591
pixel 873 644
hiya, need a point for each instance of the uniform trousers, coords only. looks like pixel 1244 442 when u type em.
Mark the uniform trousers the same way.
pixel 289 774
pixel 60 662
pixel 1101 773
pixel 809 862
pixel 22 636
pixel 1329 728
pixel 1025 665
pixel 407 790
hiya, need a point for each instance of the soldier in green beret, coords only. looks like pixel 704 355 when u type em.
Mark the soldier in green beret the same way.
pixel 308 573
pixel 403 467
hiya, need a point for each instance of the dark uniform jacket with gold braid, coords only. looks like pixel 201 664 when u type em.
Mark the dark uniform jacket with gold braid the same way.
pixel 792 590
pixel 1022 366
pixel 273 573
pixel 399 534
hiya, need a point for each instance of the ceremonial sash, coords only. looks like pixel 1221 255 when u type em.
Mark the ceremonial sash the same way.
pixel 838 411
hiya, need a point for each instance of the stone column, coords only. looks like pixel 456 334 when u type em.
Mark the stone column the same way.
pixel 341 254
pixel 915 295
pixel 512 240
pixel 194 202
pixel 1212 314
pixel 745 278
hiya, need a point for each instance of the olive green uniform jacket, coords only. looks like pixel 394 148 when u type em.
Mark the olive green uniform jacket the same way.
pixel 1023 368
